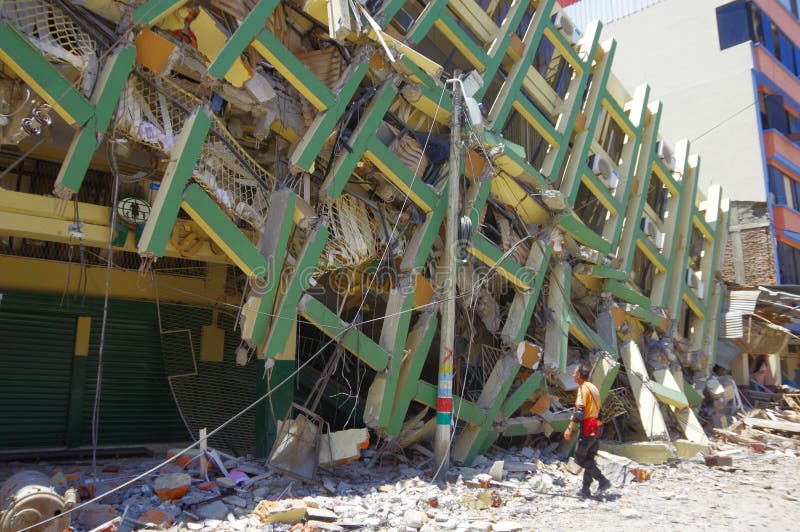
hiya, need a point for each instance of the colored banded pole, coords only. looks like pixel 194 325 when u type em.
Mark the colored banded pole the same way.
pixel 444 400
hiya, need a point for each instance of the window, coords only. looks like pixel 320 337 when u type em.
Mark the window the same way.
pixel 788 263
pixel 758 26
pixel 590 210
pixel 642 272
pixel 696 249
pixel 530 11
pixel 688 321
pixel 519 131
pixel 776 186
pixel 657 196
pixel 776 42
pixel 553 67
pixel 406 16
pixel 792 191
pixel 611 137
pixel 774 114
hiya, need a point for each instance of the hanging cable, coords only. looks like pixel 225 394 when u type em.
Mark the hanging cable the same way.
pixel 99 379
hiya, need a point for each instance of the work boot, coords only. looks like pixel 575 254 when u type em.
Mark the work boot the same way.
pixel 584 493
pixel 604 485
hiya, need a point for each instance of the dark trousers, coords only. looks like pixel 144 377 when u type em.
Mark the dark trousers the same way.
pixel 585 457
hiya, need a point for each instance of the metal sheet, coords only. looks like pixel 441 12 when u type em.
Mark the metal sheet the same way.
pixel 582 12
pixel 732 326
pixel 743 300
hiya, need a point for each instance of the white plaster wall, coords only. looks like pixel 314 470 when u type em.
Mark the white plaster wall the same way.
pixel 708 94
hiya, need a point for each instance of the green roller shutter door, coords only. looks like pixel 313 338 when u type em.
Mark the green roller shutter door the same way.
pixel 136 405
pixel 36 354
pixel 35 371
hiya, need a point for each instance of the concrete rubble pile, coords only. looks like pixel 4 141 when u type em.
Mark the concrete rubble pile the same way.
pixel 767 428
pixel 504 490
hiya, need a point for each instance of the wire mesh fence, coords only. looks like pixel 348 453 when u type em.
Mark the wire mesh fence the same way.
pixel 53 32
pixel 208 385
pixel 153 112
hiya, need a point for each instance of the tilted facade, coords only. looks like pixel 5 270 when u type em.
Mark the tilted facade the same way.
pixel 284 166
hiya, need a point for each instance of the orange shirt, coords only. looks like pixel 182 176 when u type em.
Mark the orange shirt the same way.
pixel 589 399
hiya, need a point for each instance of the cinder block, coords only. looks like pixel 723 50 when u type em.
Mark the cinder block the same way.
pixel 715 460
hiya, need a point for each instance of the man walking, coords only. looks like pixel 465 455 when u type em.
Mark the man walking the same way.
pixel 585 416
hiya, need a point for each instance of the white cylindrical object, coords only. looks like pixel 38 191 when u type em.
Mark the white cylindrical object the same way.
pixel 27 498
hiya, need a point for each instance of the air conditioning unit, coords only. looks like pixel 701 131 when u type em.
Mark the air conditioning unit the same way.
pixel 563 23
pixel 665 154
pixel 655 234
pixel 603 168
pixel 693 281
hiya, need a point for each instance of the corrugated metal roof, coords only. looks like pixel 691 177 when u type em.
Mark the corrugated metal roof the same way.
pixel 582 12
pixel 743 300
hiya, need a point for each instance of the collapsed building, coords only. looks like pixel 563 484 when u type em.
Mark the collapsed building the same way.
pixel 205 202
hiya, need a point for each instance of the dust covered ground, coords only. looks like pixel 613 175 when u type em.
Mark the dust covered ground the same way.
pixel 532 491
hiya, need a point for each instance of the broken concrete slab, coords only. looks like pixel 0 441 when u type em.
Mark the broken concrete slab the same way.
pixel 172 486
pixel 496 471
pixel 616 468
pixel 213 510
pixel 649 411
pixel 187 459
pixel 156 517
pixel 644 453
pixel 521 426
pixel 321 514
pixel 689 449
pixel 573 467
pixel 288 511
pixel 565 380
pixel 94 515
pixel 235 500
pixel 341 447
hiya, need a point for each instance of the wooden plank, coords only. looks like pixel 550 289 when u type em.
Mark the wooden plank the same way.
pixel 786 426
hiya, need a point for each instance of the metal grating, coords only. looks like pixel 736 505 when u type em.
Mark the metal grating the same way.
pixel 209 393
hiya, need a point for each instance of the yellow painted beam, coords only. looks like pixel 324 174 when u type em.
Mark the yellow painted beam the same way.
pixel 566 51
pixel 544 131
pixel 656 259
pixel 465 50
pixel 694 303
pixel 42 218
pixel 506 273
pixel 475 19
pixel 432 68
pixel 621 120
pixel 211 40
pixel 48 276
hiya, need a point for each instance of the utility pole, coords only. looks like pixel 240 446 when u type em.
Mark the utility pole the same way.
pixel 447 272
